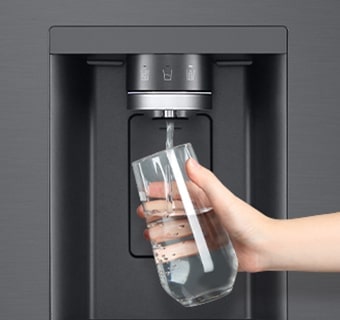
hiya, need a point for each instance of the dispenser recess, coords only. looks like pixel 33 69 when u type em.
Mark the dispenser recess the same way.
pixel 100 263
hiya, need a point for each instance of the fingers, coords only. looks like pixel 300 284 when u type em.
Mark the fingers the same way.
pixel 158 209
pixel 205 191
pixel 172 232
pixel 233 212
pixel 161 189
pixel 162 207
pixel 146 234
pixel 154 210
pixel 169 230
pixel 140 212
pixel 237 216
pixel 173 251
pixel 206 180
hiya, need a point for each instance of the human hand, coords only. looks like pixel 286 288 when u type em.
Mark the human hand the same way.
pixel 246 226
pixel 262 243
pixel 170 230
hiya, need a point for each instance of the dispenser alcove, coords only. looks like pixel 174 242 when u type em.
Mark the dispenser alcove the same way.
pixel 99 259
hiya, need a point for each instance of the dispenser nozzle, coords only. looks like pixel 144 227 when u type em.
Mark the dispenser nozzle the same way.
pixel 169 114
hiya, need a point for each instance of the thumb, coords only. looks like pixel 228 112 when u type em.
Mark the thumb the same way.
pixel 218 194
pixel 233 212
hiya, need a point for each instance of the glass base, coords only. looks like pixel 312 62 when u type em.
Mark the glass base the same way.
pixel 205 298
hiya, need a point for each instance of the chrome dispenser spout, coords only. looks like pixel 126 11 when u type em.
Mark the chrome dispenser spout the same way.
pixel 169 114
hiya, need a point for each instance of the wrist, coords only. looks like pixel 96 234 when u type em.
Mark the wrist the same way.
pixel 269 252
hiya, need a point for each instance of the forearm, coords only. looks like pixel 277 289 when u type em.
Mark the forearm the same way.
pixel 304 244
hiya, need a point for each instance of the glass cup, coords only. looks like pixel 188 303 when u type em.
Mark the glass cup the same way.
pixel 195 259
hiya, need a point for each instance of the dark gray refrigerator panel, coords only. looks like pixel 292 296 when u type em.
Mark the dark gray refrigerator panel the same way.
pixel 313 137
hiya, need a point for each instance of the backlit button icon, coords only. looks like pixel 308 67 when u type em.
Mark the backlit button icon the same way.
pixel 167 73
pixel 145 73
pixel 190 73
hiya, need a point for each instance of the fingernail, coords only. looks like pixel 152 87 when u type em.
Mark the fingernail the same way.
pixel 194 163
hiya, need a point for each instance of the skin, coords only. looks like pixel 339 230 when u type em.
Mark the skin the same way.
pixel 262 243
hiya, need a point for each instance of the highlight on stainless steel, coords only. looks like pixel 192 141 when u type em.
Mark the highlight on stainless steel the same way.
pixel 169 100
pixel 169 114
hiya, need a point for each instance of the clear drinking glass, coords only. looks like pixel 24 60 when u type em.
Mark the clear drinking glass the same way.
pixel 195 259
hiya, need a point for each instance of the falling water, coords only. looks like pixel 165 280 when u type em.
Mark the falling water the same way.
pixel 169 142
pixel 174 175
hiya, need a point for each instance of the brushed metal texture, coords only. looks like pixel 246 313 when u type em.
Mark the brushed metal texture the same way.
pixel 313 130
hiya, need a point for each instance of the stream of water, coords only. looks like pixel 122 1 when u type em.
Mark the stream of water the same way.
pixel 169 142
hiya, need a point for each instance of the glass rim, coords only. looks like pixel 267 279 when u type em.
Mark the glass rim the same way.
pixel 153 155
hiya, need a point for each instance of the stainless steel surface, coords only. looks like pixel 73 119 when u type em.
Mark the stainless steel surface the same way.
pixel 270 38
pixel 169 100
pixel 313 130
pixel 168 72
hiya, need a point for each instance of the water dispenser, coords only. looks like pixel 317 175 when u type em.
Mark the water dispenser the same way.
pixel 112 90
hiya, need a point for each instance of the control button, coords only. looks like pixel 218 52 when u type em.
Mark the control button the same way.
pixel 190 73
pixel 145 73
pixel 167 73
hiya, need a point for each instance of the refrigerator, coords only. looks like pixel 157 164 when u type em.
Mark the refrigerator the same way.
pixel 67 139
